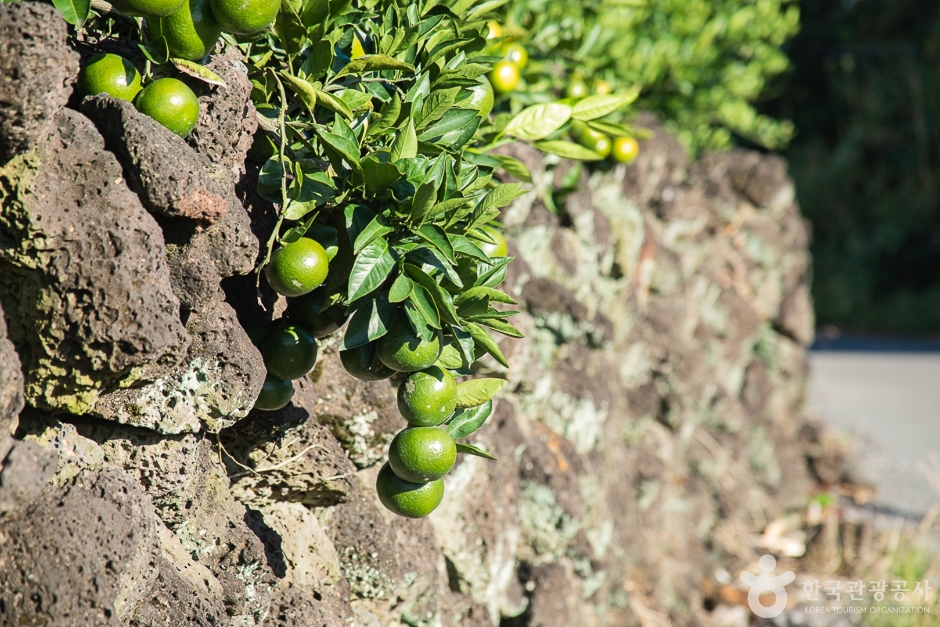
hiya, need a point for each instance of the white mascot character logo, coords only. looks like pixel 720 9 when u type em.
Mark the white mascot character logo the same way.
pixel 766 583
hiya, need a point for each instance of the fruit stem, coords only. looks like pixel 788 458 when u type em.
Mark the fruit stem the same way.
pixel 282 148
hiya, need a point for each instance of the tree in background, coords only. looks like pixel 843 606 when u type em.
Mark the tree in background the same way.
pixel 863 93
pixel 701 64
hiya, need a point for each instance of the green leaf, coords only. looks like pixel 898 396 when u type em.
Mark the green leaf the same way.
pixel 424 303
pixel 477 391
pixel 370 269
pixel 451 358
pixel 569 150
pixel 484 341
pixel 516 168
pixel 424 199
pixel 157 51
pixel 401 288
pixel 358 218
pixel 379 174
pixel 455 119
pixel 466 247
pixel 343 146
pixel 470 449
pixel 357 100
pixel 468 421
pixel 75 12
pixel 375 229
pixel 483 292
pixel 318 61
pixel 500 326
pixel 435 106
pixel 374 63
pixel 290 29
pixel 442 300
pixel 315 191
pixel 370 320
pixel 492 274
pixel 538 121
pixel 334 104
pixel 610 128
pixel 436 236
pixel 594 107
pixel 405 145
pixel 200 72
pixel 306 91
pixel 388 118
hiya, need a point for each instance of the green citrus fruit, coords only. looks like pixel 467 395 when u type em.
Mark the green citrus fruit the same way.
pixel 275 394
pixel 147 8
pixel 401 349
pixel 289 352
pixel 245 17
pixel 422 454
pixel 191 32
pixel 516 54
pixel 577 88
pixel 298 268
pixel 493 30
pixel 482 98
pixel 313 312
pixel 171 103
pixel 428 398
pixel 405 498
pixel 362 363
pixel 602 87
pixel 625 149
pixel 499 249
pixel 109 74
pixel 590 138
pixel 504 76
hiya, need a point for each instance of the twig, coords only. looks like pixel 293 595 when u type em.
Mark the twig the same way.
pixel 291 460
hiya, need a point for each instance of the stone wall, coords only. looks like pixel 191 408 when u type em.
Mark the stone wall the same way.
pixel 651 424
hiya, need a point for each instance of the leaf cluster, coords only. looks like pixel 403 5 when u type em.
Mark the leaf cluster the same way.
pixel 370 105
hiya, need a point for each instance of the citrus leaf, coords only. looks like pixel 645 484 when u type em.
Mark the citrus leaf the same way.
pixel 425 304
pixel 379 174
pixel 370 269
pixel 598 106
pixel 466 422
pixel 538 121
pixel 500 326
pixel 611 128
pixel 401 288
pixel 334 104
pixel 370 321
pixel 157 52
pixel 477 391
pixel 306 91
pixel 483 339
pixel 424 199
pixel 442 300
pixel 198 71
pixel 485 292
pixel 470 449
pixel 436 236
pixel 405 145
pixel 318 61
pixel 377 228
pixel 451 358
pixel 374 63
pixel 569 150
pixel 516 168
pixel 74 12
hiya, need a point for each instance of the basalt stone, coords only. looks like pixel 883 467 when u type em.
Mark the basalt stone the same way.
pixel 85 284
pixel 37 70
pixel 172 179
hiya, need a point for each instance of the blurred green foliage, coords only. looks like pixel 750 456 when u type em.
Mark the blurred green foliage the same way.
pixel 864 92
pixel 702 64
